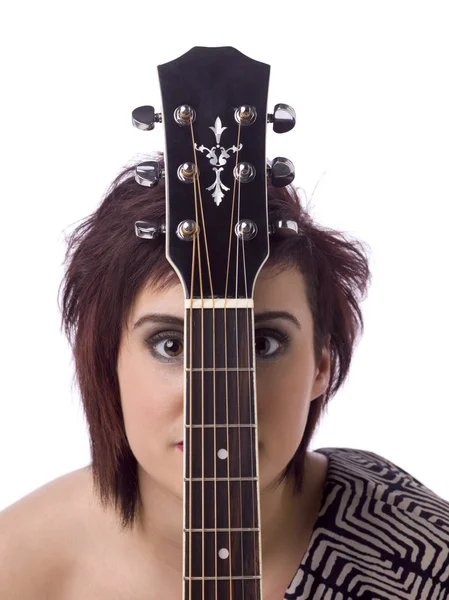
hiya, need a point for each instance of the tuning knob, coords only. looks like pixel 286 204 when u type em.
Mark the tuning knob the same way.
pixel 144 117
pixel 148 230
pixel 283 118
pixel 286 228
pixel 148 173
pixel 282 171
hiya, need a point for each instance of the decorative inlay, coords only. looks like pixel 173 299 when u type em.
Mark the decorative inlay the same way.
pixel 218 161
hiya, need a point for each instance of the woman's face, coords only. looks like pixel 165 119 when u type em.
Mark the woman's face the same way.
pixel 151 377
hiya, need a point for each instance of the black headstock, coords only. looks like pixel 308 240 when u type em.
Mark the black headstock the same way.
pixel 202 92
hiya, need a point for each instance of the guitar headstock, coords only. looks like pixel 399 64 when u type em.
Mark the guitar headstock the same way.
pixel 214 113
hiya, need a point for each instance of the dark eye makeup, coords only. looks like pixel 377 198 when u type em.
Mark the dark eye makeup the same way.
pixel 174 349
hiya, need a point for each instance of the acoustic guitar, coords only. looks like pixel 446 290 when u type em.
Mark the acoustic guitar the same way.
pixel 214 115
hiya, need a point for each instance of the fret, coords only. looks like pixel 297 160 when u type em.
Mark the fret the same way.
pixel 220 425
pixel 222 479
pixel 221 530
pixel 219 369
pixel 223 589
pixel 219 303
pixel 221 578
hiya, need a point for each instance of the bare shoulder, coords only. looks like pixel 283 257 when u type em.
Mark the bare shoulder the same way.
pixel 38 533
pixel 58 543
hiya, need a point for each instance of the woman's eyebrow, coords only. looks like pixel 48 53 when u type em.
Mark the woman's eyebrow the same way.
pixel 269 315
pixel 158 318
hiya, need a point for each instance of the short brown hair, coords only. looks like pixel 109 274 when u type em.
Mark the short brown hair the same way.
pixel 105 267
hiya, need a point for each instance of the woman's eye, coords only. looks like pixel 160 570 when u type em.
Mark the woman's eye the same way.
pixel 166 346
pixel 269 345
pixel 171 347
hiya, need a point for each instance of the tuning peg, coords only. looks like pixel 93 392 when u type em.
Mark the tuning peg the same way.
pixel 148 173
pixel 144 117
pixel 148 230
pixel 283 118
pixel 282 171
pixel 284 229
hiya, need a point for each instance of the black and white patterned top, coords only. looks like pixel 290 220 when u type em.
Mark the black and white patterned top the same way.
pixel 380 534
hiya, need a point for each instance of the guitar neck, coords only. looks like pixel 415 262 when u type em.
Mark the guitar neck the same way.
pixel 222 543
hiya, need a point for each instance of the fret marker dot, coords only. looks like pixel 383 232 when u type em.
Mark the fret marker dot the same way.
pixel 223 553
pixel 222 453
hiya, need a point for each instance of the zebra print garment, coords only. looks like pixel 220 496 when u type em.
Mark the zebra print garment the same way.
pixel 380 534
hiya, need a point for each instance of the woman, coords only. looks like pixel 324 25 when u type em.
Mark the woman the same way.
pixel 335 523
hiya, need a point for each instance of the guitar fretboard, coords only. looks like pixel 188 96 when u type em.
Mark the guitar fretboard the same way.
pixel 221 526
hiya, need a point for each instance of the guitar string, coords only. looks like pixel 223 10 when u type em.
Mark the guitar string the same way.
pixel 196 180
pixel 248 389
pixel 237 378
pixel 191 413
pixel 250 374
pixel 191 400
pixel 226 359
pixel 196 240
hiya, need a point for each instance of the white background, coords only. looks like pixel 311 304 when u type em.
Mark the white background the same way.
pixel 369 82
